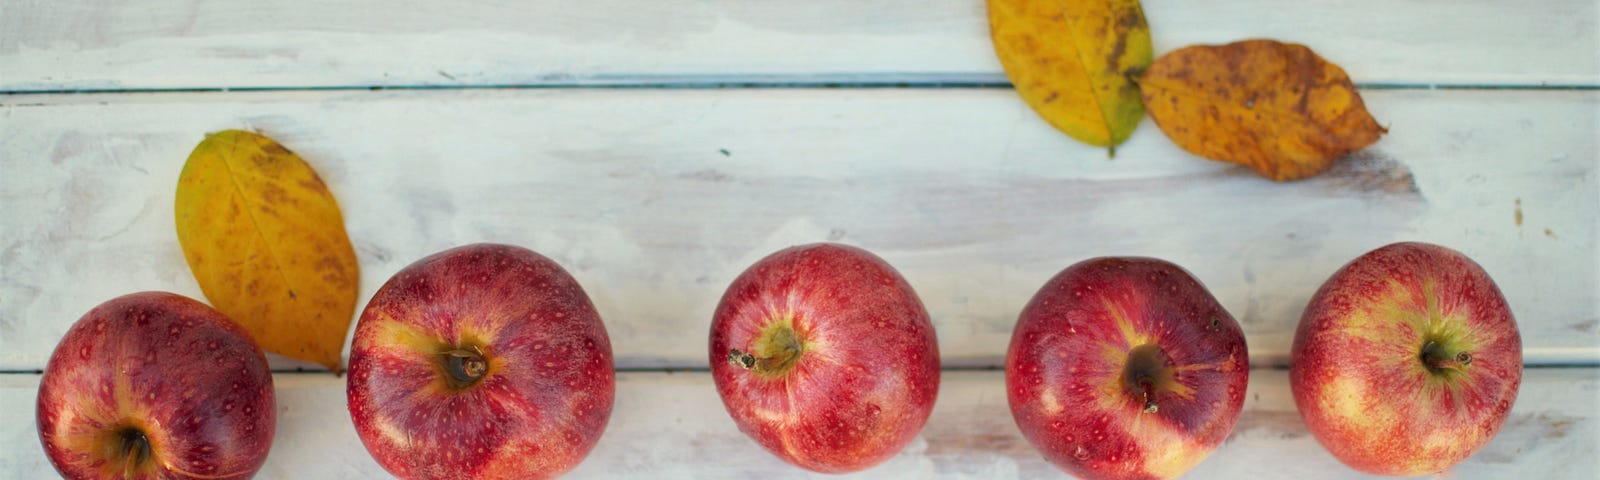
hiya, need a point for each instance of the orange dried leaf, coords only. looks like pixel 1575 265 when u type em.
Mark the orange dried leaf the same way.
pixel 1274 107
pixel 1070 60
pixel 266 242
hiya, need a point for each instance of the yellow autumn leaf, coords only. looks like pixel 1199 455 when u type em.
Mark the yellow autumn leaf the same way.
pixel 1277 108
pixel 1071 61
pixel 266 242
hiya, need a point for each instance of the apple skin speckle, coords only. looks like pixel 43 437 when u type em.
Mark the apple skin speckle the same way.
pixel 535 411
pixel 165 368
pixel 1357 367
pixel 1068 370
pixel 865 381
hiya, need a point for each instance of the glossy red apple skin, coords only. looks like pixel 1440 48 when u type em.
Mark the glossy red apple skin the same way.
pixel 537 410
pixel 1067 376
pixel 183 375
pixel 865 382
pixel 1357 366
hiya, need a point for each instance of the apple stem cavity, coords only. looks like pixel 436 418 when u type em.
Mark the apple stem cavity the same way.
pixel 1146 373
pixel 781 348
pixel 1149 396
pixel 134 447
pixel 1438 359
pixel 465 366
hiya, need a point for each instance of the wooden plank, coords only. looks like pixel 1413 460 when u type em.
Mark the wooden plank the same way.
pixel 672 425
pixel 239 43
pixel 656 199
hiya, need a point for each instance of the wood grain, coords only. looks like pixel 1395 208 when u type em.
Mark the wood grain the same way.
pixel 672 425
pixel 48 45
pixel 656 199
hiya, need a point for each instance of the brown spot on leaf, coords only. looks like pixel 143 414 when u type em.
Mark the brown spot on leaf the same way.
pixel 259 265
pixel 1072 63
pixel 275 150
pixel 1183 73
pixel 1290 136
pixel 1127 20
pixel 313 183
pixel 273 194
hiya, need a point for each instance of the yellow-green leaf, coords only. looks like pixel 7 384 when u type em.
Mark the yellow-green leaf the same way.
pixel 266 241
pixel 1278 108
pixel 1071 60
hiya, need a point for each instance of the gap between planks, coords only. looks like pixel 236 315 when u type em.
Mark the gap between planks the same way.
pixel 907 81
pixel 216 43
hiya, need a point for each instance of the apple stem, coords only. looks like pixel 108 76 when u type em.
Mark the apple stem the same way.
pixel 764 365
pixel 465 365
pixel 741 359
pixel 135 448
pixel 1149 396
pixel 1436 359
pixel 1146 371
pixel 781 348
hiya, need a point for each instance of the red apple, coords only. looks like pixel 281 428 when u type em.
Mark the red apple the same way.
pixel 1406 361
pixel 825 356
pixel 155 385
pixel 1126 368
pixel 483 361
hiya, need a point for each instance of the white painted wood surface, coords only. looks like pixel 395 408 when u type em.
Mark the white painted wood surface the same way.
pixel 53 45
pixel 656 198
pixel 672 425
pixel 974 199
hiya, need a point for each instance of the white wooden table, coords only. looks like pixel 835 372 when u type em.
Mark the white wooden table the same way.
pixel 656 148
